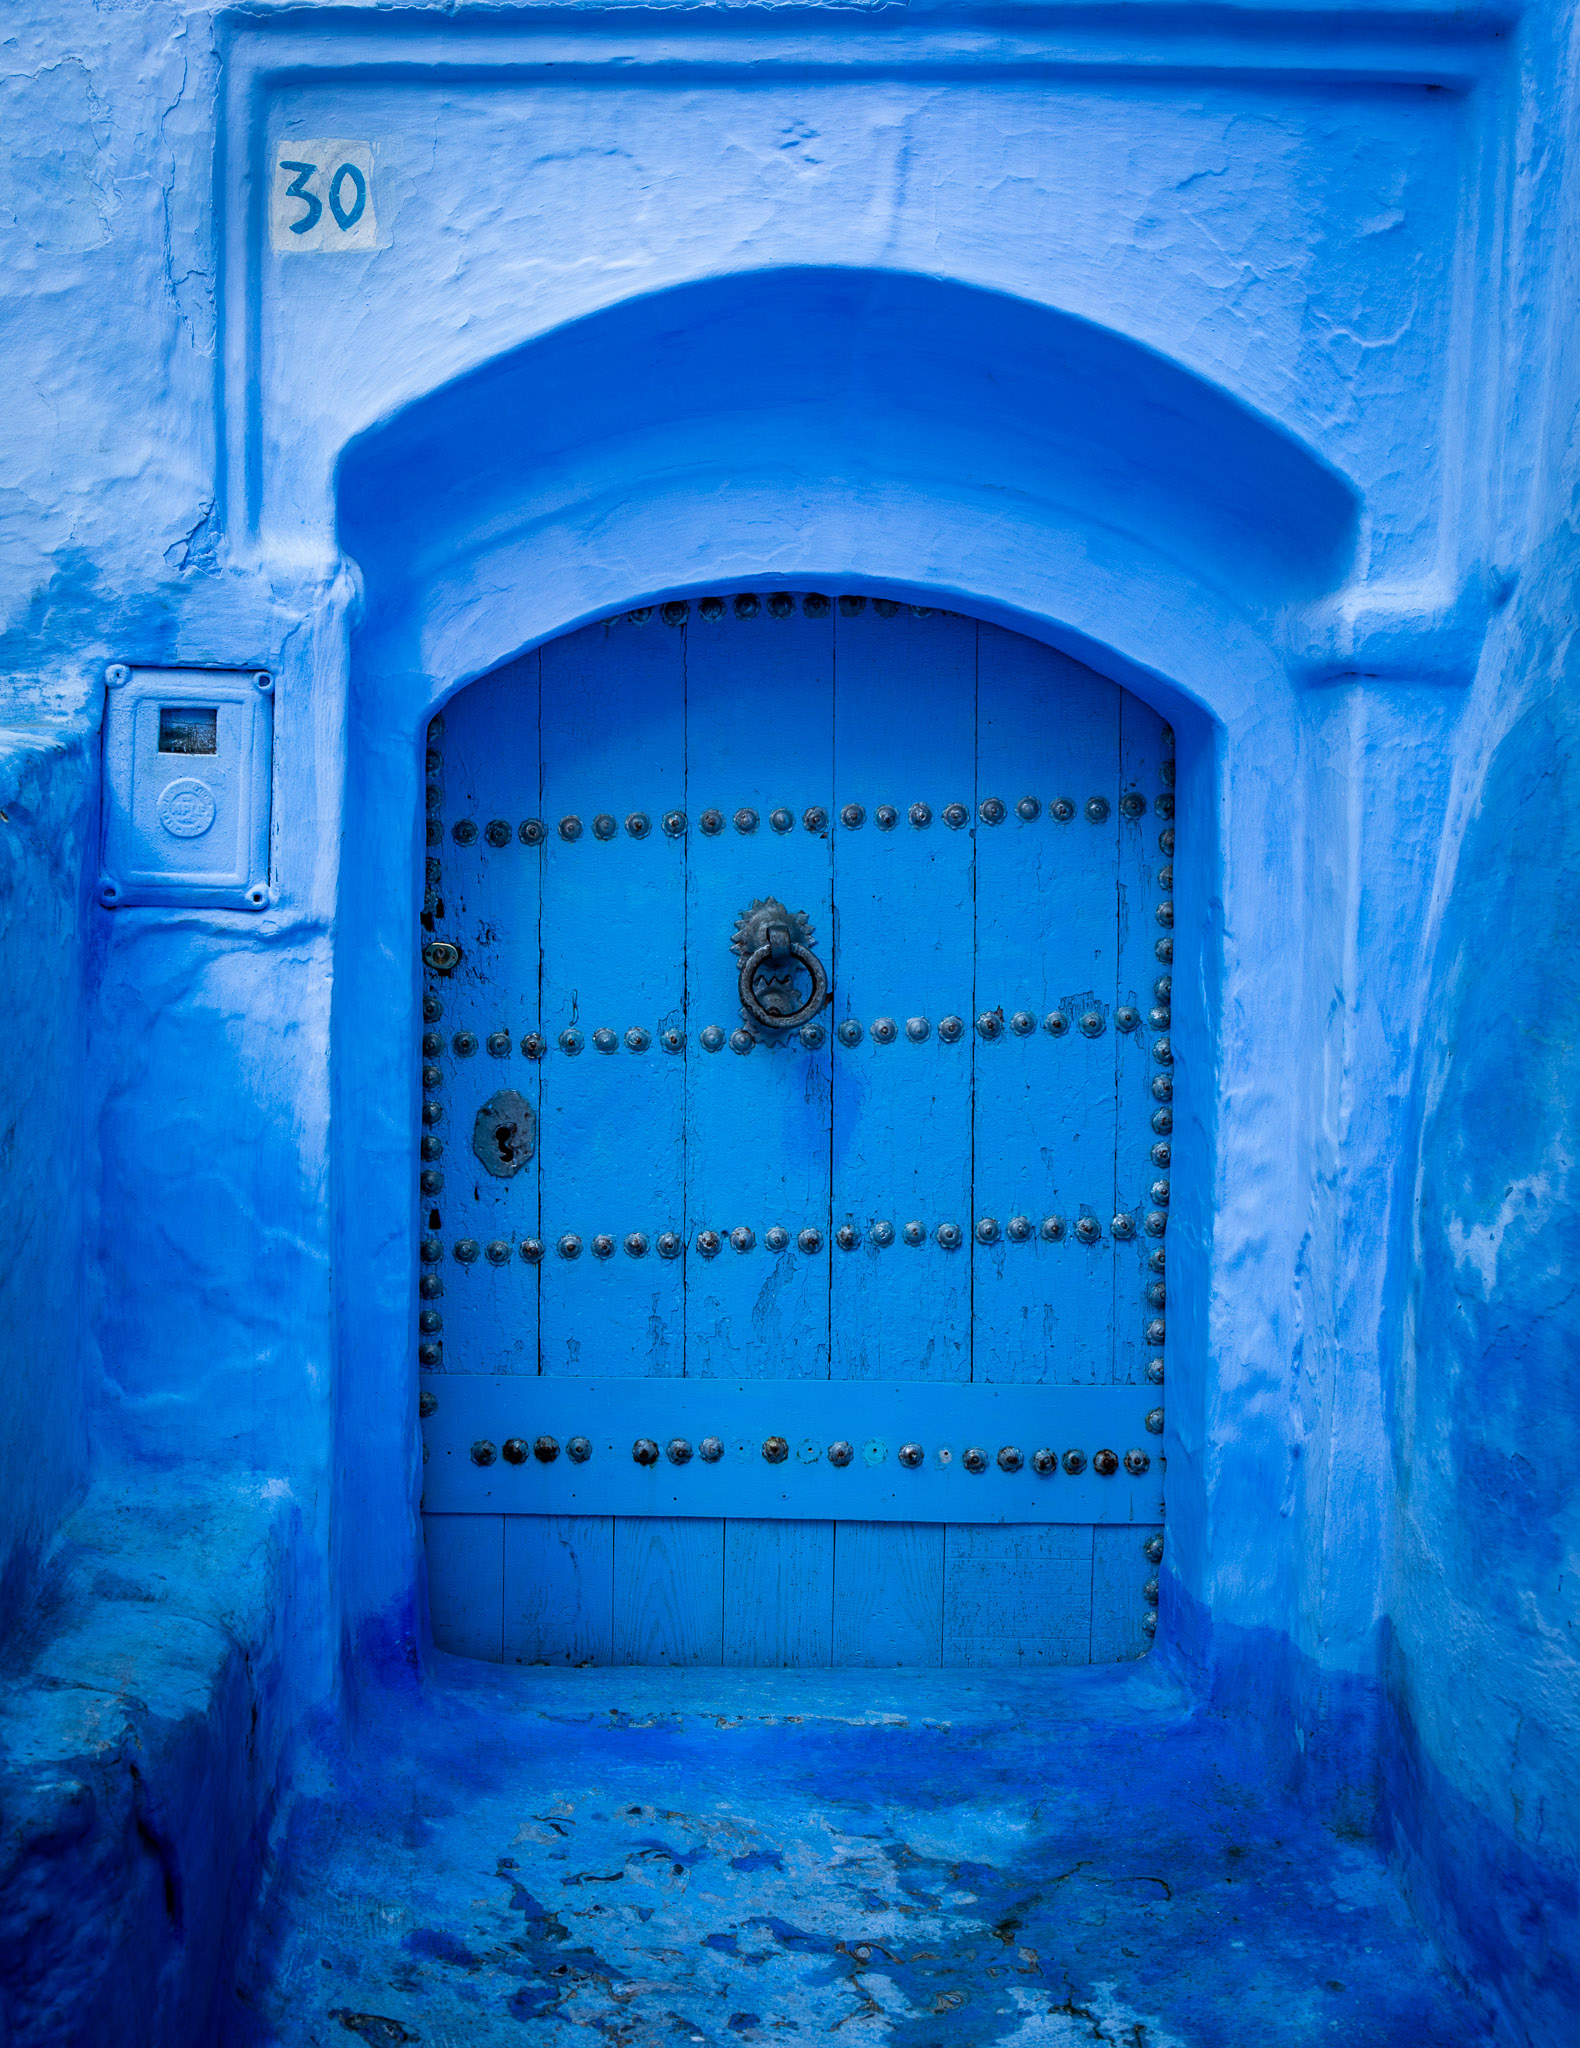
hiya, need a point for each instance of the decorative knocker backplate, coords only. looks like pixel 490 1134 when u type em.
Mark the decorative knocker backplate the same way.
pixel 774 947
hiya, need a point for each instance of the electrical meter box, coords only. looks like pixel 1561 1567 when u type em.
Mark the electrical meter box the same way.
pixel 186 787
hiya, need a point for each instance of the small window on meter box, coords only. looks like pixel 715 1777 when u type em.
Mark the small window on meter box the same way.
pixel 188 729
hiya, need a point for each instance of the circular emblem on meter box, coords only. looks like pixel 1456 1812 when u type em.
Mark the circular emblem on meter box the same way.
pixel 186 807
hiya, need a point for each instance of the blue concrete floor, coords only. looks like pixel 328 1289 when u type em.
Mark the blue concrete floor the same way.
pixel 919 1860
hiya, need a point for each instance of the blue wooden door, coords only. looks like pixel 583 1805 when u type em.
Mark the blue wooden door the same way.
pixel 795 1145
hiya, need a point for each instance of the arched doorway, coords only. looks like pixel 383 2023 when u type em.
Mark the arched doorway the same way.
pixel 796 1144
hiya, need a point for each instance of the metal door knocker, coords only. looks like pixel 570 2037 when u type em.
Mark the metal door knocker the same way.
pixel 774 947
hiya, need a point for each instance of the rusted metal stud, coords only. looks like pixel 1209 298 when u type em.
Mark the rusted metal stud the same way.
pixel 644 1451
pixel 426 1403
pixel 433 1077
pixel 1105 1463
pixel 636 1245
pixel 1127 1018
pixel 570 1246
pixel 1156 1333
pixel 886 817
pixel 920 815
pixel 811 1036
pixel 990 1023
pixel 534 1045
pixel 975 1459
pixel 884 1030
pixel 950 1030
pixel 853 817
pixel 956 815
pixel 710 1450
pixel 432 1009
pixel 1052 1229
pixel 746 819
pixel 848 1032
pixel 992 810
pixel 483 1452
pixel 1163 1121
pixel 531 832
pixel 711 1037
pixel 949 1236
pixel 463 831
pixel 675 824
pixel 637 1040
pixel 1044 1461
pixel 1062 809
pixel 881 1233
pixel 1163 950
pixel 430 1180
pixel 1088 1229
pixel 571 1040
pixel 987 1230
pixel 775 1450
pixel 545 1449
pixel 747 605
pixel 532 1249
pixel 1154 1372
pixel 1074 1463
pixel 441 956
pixel 1018 1229
pixel 1137 1462
pixel 1056 1024
pixel 712 823
pixel 1133 804
pixel 669 1244
pixel 464 1044
pixel 782 820
pixel 1155 1421
pixel 1152 1549
pixel 1162 1088
pixel 914 1233
pixel 499 1044
pixel 466 1250
pixel 840 1453
pixel 910 1456
pixel 578 1449
pixel 1149 1592
pixel 1023 1023
pixel 672 1039
pixel 1159 1191
pixel 742 1238
pixel 1156 1258
pixel 638 824
pixel 1009 1458
pixel 1124 1224
pixel 1097 809
pixel 847 1237
pixel 570 827
pixel 741 1040
pixel 1092 1024
pixel 810 1240
pixel 1161 1153
pixel 708 1242
pixel 678 1451
pixel 781 604
pixel 815 818
pixel 603 1246
pixel 497 1251
pixel 776 1237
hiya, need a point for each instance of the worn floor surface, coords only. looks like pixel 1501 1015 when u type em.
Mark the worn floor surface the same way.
pixel 727 1858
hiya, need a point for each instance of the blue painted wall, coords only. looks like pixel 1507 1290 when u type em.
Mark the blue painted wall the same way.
pixel 1231 355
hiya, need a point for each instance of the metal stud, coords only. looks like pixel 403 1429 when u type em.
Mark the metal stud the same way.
pixel 910 1456
pixel 1009 1458
pixel 1052 1229
pixel 1074 1463
pixel 742 1238
pixel 636 1245
pixel 815 818
pixel 1056 1024
pixel 606 1040
pixel 712 822
pixel 950 1030
pixel 1152 1549
pixel 669 1245
pixel 433 1112
pixel 990 1023
pixel 782 820
pixel 1166 880
pixel 741 1040
pixel 545 1449
pixel 1097 809
pixel 816 605
pixel 638 1040
pixel 603 1246
pixel 533 1045
pixel 498 1044
pixel 974 1459
pixel 1161 1154
pixel 441 956
pixel 432 1009
pixel 781 604
pixel 433 832
pixel 1165 914
pixel 431 1250
pixel 1166 842
pixel 1044 1461
pixel 1157 1258
pixel 675 824
pixel 987 1230
pixel 638 824
pixel 811 1036
pixel 746 819
pixel 1154 1374
pixel 949 1236
pixel 1105 1463
pixel 578 1450
pixel 1023 1023
pixel 1028 810
pixel 1088 1229
pixel 775 1450
pixel 1149 1592
pixel 914 1233
pixel 810 1240
pixel 881 1233
pixel 1162 1088
pixel 463 831
pixel 1062 809
pixel 920 815
pixel 532 1249
pixel 497 832
pixel 708 1243
pixel 531 832
pixel 678 1451
pixel 886 817
pixel 776 1237
pixel 641 616
pixel 466 1250
pixel 1156 1333
pixel 1163 949
pixel 992 810
pixel 956 815
pixel 747 606
pixel 570 828
pixel 427 1402
pixel 1137 1462
pixel 847 1238
pixel 433 1077
pixel 1092 1024
pixel 1160 1018
pixel 1163 1121
pixel 1126 1018
pixel 884 1030
pixel 465 1044
pixel 1163 988
pixel 483 1452
pixel 711 608
pixel 710 1450
pixel 497 1251
pixel 848 1032
pixel 1149 1623
pixel 853 816
pixel 1018 1229
pixel 840 1453
pixel 672 1039
pixel 885 607
pixel 430 1287
pixel 917 1029
pixel 852 607
pixel 1124 1225
pixel 645 1451
pixel 712 1037
pixel 1163 1052
pixel 570 1246
pixel 1133 804
pixel 571 1040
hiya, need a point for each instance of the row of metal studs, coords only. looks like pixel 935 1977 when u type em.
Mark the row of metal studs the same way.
pixel 780 605
pixel 1156 1292
pixel 776 1451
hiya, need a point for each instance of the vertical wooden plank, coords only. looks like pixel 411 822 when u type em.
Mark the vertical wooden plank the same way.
pixel 1120 1571
pixel 1048 731
pixel 1017 1595
pixel 466 1569
pixel 904 734
pixel 558 1589
pixel 1145 1066
pixel 668 1581
pixel 613 953
pixel 888 1593
pixel 778 1593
